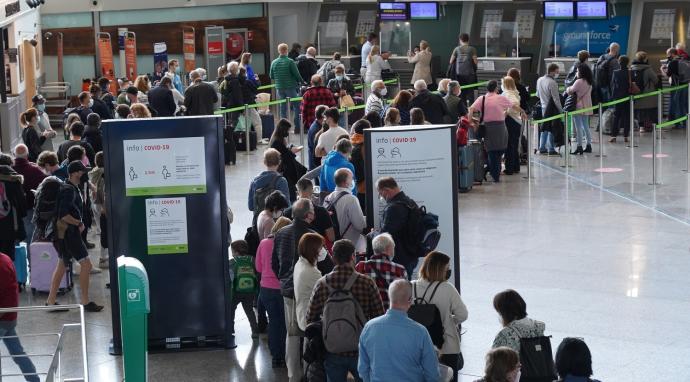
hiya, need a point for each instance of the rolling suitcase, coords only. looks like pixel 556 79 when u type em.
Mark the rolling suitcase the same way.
pixel 267 125
pixel 466 168
pixel 241 140
pixel 44 258
pixel 479 159
pixel 20 264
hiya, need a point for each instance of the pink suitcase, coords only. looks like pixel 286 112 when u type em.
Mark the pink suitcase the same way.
pixel 43 260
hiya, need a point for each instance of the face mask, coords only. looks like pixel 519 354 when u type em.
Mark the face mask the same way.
pixel 117 116
pixel 339 78
pixel 383 91
pixel 203 78
pixel 91 102
pixel 277 214
pixel 517 376
pixel 41 107
pixel 322 255
pixel 556 75
pixel 177 69
pixel 382 200
pixel 448 273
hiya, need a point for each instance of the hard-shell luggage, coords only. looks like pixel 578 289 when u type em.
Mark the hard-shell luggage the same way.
pixel 466 168
pixel 267 125
pixel 241 140
pixel 20 264
pixel 479 160
pixel 44 258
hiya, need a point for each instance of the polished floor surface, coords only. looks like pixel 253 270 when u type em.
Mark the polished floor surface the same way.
pixel 589 263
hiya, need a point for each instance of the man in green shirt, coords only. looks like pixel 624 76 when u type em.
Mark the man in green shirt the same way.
pixel 287 80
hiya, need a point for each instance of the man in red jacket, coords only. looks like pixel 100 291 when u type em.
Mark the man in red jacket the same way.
pixel 33 176
pixel 9 298
pixel 314 96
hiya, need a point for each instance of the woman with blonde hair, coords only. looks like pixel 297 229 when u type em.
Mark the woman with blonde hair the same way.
pixel 376 64
pixel 245 61
pixel 33 141
pixel 434 287
pixel 502 365
pixel 513 121
pixel 422 63
pixel 143 86
pixel 392 117
pixel 139 110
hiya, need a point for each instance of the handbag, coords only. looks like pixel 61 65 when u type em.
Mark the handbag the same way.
pixel 346 101
pixel 570 103
pixel 481 129
pixel 632 87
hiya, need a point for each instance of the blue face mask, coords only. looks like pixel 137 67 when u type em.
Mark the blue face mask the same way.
pixel 339 78
pixel 41 107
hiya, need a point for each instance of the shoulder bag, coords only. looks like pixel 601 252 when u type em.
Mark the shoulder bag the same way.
pixel 481 129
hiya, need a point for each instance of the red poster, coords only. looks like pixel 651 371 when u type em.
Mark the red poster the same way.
pixel 189 49
pixel 105 55
pixel 131 56
pixel 215 47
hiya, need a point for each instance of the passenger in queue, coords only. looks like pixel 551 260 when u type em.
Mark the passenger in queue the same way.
pixel 502 365
pixel 512 310
pixel 422 63
pixel 433 104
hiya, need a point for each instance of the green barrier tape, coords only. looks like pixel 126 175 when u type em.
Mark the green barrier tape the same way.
pixel 615 102
pixel 269 86
pixel 296 99
pixel 223 111
pixel 585 110
pixel 555 117
pixel 252 106
pixel 475 85
pixel 669 123
pixel 648 94
pixel 674 88
pixel 349 109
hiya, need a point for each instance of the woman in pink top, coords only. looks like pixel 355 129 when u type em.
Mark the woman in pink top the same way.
pixel 582 88
pixel 493 108
pixel 269 296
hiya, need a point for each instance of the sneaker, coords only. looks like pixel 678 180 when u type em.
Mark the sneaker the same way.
pixel 278 363
pixel 543 152
pixel 93 307
pixel 103 264
pixel 255 335
pixel 56 310
pixel 554 154
pixel 90 245
pixel 95 271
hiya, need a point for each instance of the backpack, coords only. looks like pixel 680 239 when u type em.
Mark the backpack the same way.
pixel 428 315
pixel 343 318
pixel 683 71
pixel 330 208
pixel 45 207
pixel 5 204
pixel 464 66
pixel 602 71
pixel 461 134
pixel 325 70
pixel 262 193
pixel 423 234
pixel 537 360
pixel 245 278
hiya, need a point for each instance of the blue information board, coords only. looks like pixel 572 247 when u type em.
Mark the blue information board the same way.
pixel 571 36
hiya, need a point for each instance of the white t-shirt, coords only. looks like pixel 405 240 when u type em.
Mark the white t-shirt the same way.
pixel 327 140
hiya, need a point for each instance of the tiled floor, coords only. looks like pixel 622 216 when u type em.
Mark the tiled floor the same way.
pixel 589 264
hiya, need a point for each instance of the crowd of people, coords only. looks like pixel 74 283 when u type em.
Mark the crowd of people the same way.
pixel 315 260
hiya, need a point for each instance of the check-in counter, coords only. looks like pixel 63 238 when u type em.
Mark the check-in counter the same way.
pixel 495 68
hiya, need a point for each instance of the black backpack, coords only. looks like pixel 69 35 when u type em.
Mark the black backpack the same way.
pixel 427 314
pixel 536 358
pixel 330 208
pixel 423 234
pixel 602 71
pixel 260 194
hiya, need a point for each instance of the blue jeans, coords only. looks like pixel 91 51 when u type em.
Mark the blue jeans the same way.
pixel 679 105
pixel 546 141
pixel 273 302
pixel 7 329
pixel 409 268
pixel 29 226
pixel 581 126
pixel 495 164
pixel 338 366
pixel 289 93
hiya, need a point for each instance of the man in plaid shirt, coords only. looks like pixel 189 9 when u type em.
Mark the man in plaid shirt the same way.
pixel 316 95
pixel 363 290
pixel 380 266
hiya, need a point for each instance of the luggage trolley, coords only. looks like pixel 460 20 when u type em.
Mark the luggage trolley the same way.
pixel 54 373
pixel 57 96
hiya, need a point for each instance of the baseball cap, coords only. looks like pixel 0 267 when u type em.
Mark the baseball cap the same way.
pixel 75 166
pixel 132 90
pixel 37 99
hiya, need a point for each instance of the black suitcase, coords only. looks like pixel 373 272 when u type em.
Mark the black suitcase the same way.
pixel 241 140
pixel 267 125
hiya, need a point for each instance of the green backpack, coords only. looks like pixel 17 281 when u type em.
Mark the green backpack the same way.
pixel 245 277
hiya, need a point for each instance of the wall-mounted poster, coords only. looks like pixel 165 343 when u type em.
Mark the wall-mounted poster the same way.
pixel 491 23
pixel 524 23
pixel 366 23
pixel 166 226
pixel 662 24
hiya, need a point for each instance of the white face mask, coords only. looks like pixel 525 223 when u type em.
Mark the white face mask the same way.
pixel 91 102
pixel 383 91
pixel 382 200
pixel 322 254
pixel 556 75
pixel 517 376
pixel 277 214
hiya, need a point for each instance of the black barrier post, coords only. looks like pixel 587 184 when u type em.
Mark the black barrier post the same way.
pixel 601 132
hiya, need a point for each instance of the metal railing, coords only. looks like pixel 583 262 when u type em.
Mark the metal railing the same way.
pixel 54 373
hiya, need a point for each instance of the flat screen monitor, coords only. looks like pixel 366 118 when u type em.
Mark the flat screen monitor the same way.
pixel 424 11
pixel 592 10
pixel 559 10
pixel 393 11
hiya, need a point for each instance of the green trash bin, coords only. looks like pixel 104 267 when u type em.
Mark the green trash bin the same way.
pixel 134 309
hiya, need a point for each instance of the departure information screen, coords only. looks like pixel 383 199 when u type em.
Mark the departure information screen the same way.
pixel 424 11
pixel 592 10
pixel 393 11
pixel 560 10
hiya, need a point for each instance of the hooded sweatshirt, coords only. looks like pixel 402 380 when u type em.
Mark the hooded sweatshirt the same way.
pixel 11 226
pixel 332 163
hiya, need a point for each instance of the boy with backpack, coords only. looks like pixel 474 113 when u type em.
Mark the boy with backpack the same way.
pixel 244 284
pixel 267 182
pixel 343 301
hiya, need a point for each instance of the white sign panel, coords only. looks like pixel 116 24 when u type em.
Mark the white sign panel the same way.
pixel 491 23
pixel 524 23
pixel 662 24
pixel 166 226
pixel 165 166
pixel 420 159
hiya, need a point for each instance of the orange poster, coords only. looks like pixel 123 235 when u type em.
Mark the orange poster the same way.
pixel 189 49
pixel 105 55
pixel 131 56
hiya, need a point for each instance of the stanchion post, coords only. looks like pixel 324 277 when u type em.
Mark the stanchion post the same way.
pixel 654 154
pixel 687 143
pixel 601 132
pixel 632 122
pixel 247 128
pixel 289 112
pixel 659 108
pixel 566 140
pixel 301 143
pixel 347 118
pixel 528 124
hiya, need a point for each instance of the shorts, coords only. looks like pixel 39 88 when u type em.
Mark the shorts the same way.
pixel 71 247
